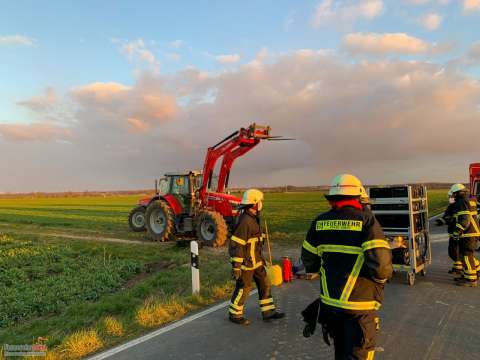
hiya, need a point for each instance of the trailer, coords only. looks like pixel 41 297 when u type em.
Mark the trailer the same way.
pixel 402 211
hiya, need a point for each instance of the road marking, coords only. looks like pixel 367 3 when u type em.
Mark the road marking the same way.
pixel 177 324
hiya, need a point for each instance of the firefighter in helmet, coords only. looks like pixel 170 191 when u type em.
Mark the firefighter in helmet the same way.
pixel 346 245
pixel 466 231
pixel 453 244
pixel 248 263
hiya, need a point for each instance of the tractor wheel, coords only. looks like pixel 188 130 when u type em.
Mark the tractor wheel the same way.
pixel 211 228
pixel 159 221
pixel 136 219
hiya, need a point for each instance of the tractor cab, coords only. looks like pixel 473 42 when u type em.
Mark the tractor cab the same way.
pixel 181 186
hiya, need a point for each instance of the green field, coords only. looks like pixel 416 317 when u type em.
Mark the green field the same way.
pixel 53 285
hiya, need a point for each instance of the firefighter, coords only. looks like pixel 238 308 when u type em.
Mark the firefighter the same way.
pixel 248 263
pixel 453 244
pixel 466 232
pixel 347 246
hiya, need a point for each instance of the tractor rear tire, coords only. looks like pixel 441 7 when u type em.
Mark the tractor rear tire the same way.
pixel 211 228
pixel 160 221
pixel 136 219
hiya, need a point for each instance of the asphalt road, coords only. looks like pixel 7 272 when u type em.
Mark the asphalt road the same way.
pixel 434 319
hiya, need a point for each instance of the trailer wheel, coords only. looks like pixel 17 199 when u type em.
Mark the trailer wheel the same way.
pixel 211 228
pixel 159 221
pixel 411 278
pixel 136 219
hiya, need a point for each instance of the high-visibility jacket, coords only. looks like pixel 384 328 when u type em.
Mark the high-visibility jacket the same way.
pixel 465 215
pixel 347 246
pixel 246 243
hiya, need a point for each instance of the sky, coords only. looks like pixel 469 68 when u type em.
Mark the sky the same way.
pixel 111 95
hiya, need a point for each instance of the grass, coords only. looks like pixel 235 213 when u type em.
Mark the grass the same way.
pixel 83 295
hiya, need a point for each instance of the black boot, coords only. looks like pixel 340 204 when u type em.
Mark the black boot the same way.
pixel 274 316
pixel 455 271
pixel 239 321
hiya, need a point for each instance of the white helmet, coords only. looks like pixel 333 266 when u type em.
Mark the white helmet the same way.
pixel 345 185
pixel 456 188
pixel 252 197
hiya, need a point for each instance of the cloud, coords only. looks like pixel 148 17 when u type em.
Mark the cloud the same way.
pixel 386 121
pixel 41 102
pixel 431 21
pixel 137 51
pixel 228 59
pixel 16 40
pixel 389 43
pixel 140 107
pixel 34 132
pixel 418 2
pixel 176 44
pixel 471 5
pixel 330 12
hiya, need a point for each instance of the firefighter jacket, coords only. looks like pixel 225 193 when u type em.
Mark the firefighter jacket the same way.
pixel 448 219
pixel 246 243
pixel 347 246
pixel 465 216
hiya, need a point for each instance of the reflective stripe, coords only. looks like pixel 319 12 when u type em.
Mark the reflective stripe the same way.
pixel 470 235
pixel 306 245
pixel 237 259
pixel 260 263
pixel 239 296
pixel 252 251
pixel 371 355
pixel 467 262
pixel 341 249
pixel 238 240
pixel 324 282
pixel 379 243
pixel 351 305
pixel 462 213
pixel 266 308
pixel 236 307
pixel 352 279
pixel 255 239
pixel 339 225
pixel 233 312
pixel 266 301
pixel 459 226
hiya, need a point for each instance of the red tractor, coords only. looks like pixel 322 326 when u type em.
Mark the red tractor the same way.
pixel 195 203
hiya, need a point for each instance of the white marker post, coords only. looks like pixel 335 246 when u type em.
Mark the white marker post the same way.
pixel 195 267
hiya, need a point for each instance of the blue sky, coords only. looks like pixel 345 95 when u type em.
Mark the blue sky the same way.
pixel 67 45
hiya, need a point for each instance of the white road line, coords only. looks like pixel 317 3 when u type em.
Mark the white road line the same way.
pixel 123 347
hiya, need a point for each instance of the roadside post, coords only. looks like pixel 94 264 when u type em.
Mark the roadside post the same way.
pixel 195 267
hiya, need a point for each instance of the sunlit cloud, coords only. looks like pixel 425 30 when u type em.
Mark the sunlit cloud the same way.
pixel 431 21
pixel 330 12
pixel 16 40
pixel 228 59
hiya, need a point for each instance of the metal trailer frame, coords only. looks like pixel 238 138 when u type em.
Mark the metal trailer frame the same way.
pixel 417 262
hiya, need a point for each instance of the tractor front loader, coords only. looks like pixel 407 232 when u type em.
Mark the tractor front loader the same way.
pixel 193 203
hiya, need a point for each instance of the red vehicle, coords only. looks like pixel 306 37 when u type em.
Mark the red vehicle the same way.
pixel 195 203
pixel 475 180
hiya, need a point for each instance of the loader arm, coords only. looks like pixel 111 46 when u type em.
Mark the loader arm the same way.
pixel 230 148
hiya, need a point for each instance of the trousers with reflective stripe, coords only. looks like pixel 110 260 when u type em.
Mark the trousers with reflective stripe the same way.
pixel 469 262
pixel 242 290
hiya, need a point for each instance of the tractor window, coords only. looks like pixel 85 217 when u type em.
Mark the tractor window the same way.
pixel 164 186
pixel 180 185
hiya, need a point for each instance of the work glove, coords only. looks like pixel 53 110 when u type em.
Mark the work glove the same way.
pixel 456 236
pixel 236 273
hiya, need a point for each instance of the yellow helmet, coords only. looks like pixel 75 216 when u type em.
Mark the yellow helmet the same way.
pixel 345 185
pixel 456 188
pixel 252 197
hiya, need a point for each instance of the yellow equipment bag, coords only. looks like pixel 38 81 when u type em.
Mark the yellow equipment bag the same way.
pixel 274 272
